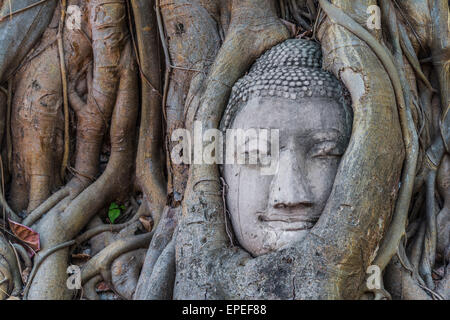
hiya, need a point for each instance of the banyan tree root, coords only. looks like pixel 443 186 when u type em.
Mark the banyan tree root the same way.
pixel 89 291
pixel 149 163
pixel 145 288
pixel 125 272
pixel 37 120
pixel 64 222
pixel 10 281
pixel 397 226
pixel 160 283
pixel 402 284
pixel 443 217
pixel 15 43
pixel 101 263
pixel 108 26
pixel 191 35
pixel 194 38
pixel 125 262
pixel 399 44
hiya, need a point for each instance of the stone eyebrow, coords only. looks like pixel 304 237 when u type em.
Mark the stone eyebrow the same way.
pixel 319 133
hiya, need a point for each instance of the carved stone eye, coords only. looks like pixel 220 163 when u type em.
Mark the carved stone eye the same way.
pixel 325 150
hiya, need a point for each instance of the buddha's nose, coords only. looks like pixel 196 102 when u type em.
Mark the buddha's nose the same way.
pixel 289 188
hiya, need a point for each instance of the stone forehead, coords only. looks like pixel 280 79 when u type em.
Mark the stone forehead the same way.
pixel 290 70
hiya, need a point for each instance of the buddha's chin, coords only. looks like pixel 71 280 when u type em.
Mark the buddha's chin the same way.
pixel 271 240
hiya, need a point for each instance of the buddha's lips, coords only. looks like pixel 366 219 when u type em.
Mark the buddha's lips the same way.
pixel 290 222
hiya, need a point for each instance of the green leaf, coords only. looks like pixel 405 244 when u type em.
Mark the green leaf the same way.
pixel 113 206
pixel 113 212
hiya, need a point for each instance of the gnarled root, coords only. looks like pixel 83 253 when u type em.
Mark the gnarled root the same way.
pixel 37 118
pixel 125 272
pixel 61 225
pixel 162 279
pixel 401 283
pixel 149 162
pixel 101 263
pixel 193 38
pixel 36 132
pixel 10 278
pixel 161 240
pixel 89 291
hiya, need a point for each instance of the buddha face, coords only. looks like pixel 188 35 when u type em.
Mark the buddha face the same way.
pixel 270 212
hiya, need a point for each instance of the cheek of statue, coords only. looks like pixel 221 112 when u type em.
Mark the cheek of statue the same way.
pixel 269 212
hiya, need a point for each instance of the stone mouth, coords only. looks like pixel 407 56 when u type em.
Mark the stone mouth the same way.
pixel 292 222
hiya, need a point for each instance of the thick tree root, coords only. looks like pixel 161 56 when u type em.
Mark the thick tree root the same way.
pixel 89 291
pixel 57 226
pixel 397 227
pixel 163 236
pixel 101 263
pixel 38 126
pixel 15 43
pixel 125 272
pixel 162 279
pixel 149 163
pixel 10 281
pixel 40 259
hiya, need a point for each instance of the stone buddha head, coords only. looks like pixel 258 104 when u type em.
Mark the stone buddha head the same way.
pixel 287 90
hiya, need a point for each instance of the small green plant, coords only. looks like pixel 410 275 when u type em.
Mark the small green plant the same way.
pixel 114 211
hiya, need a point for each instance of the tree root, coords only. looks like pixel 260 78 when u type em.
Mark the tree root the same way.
pixel 57 226
pixel 40 259
pixel 429 249
pixel 11 283
pixel 162 279
pixel 15 43
pixel 39 125
pixel 24 255
pixel 401 284
pixel 104 228
pixel 190 54
pixel 397 227
pixel 45 207
pixel 89 291
pixel 65 159
pixel 101 263
pixel 163 236
pixel 10 214
pixel 6 283
pixel 149 164
pixel 125 272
